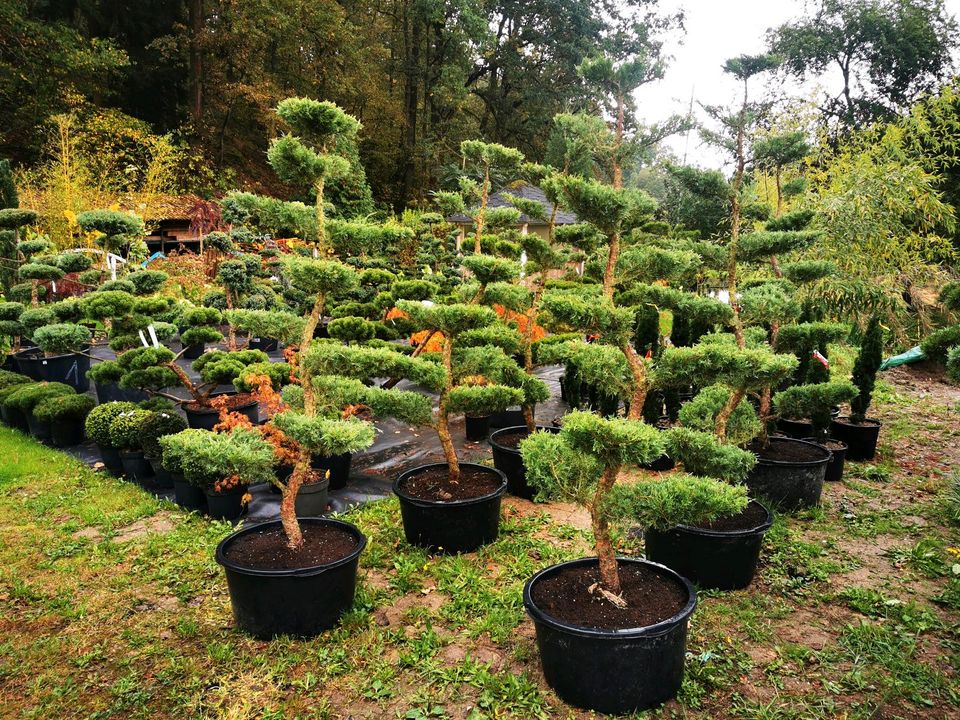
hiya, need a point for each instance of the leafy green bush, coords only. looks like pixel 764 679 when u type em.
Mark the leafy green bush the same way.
pixel 126 429
pixel 8 378
pixel 118 285
pixel 352 329
pixel 146 282
pixel 29 395
pixel 100 418
pixel 33 318
pixel 39 271
pixel 283 326
pixel 61 338
pixel 865 369
pixel 74 262
pixel 938 343
pixel 815 402
pixel 107 372
pixel 104 304
pixel 64 408
pixel 701 414
pixel 326 436
pixel 702 454
pixel 207 459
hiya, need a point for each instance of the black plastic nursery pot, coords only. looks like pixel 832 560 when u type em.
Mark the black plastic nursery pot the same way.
pixel 712 559
pixel 161 476
pixel 861 439
pixel 798 429
pixel 612 671
pixel 192 352
pixel 225 505
pixel 477 428
pixel 187 495
pixel 111 460
pixel 265 344
pixel 66 433
pixel 509 460
pixel 838 456
pixel 312 499
pixel 111 392
pixel 207 418
pixel 135 466
pixel 302 602
pixel 70 369
pixel 454 526
pixel 39 430
pixel 790 484
pixel 339 467
pixel 508 418
pixel 28 363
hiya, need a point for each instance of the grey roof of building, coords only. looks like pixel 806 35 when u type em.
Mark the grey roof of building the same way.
pixel 525 190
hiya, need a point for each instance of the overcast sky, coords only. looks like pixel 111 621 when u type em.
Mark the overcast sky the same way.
pixel 715 30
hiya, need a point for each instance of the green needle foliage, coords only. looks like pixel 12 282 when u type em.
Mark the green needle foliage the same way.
pixel 701 453
pixel 100 418
pixel 702 411
pixel 61 338
pixel 207 459
pixel 865 369
pixel 815 402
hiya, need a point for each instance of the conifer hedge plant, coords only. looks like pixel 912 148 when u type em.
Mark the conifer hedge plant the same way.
pixel 858 431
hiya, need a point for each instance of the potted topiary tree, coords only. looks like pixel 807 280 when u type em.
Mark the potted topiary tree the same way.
pixel 115 231
pixel 816 402
pixel 311 158
pixel 65 415
pixel 11 330
pixel 65 359
pixel 97 426
pixel 222 465
pixel 126 433
pixel 160 424
pixel 624 619
pixel 265 329
pixel 455 506
pixel 9 381
pixel 859 432
pixel 22 402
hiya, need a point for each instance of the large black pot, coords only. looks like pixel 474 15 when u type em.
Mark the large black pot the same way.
pixel 509 461
pixel 452 527
pixel 111 460
pixel 312 499
pixel 39 430
pixel 477 428
pixel 111 392
pixel 799 429
pixel 861 440
pixel 302 602
pixel 70 369
pixel 790 485
pixel 192 352
pixel 265 344
pixel 161 476
pixel 206 419
pixel 508 418
pixel 187 495
pixel 225 505
pixel 713 559
pixel 838 456
pixel 135 466
pixel 67 433
pixel 28 361
pixel 612 671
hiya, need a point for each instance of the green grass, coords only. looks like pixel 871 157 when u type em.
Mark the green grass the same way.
pixel 99 623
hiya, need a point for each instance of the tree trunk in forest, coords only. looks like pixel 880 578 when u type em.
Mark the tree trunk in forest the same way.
pixel 196 60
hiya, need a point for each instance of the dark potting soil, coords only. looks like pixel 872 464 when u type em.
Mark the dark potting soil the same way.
pixel 435 484
pixel 268 550
pixel 752 516
pixel 650 597
pixel 785 451
pixel 847 421
pixel 513 439
pixel 233 402
pixel 833 444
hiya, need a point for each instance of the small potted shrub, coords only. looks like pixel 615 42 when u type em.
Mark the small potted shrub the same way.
pixel 97 427
pixel 454 506
pixel 265 329
pixel 9 381
pixel 612 631
pixel 198 328
pixel 65 415
pixel 116 230
pixel 29 396
pixel 65 359
pixel 859 432
pixel 11 416
pixel 126 433
pixel 815 402
pixel 12 330
pixel 223 465
pixel 160 423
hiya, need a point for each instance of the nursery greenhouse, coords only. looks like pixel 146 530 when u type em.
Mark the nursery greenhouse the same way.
pixel 491 360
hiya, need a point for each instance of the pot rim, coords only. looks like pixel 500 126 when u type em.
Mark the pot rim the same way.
pixel 228 564
pixel 795 463
pixel 845 420
pixel 655 630
pixel 239 490
pixel 420 502
pixel 508 430
pixel 759 529
pixel 833 440
pixel 31 354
